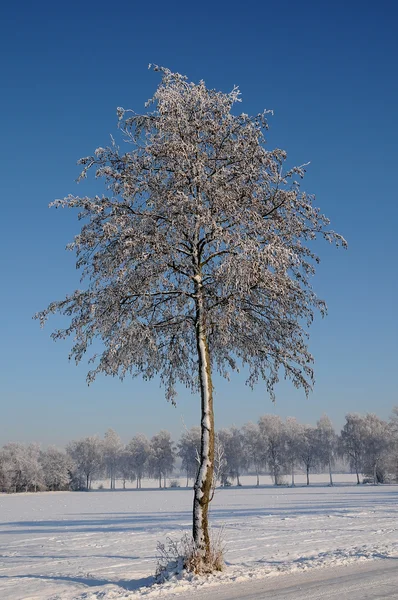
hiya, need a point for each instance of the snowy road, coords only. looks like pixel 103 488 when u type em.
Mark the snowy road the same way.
pixel 373 581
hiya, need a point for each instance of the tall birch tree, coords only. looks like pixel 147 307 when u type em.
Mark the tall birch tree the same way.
pixel 162 456
pixel 87 456
pixel 308 449
pixel 197 258
pixel 377 443
pixel 188 451
pixel 272 432
pixel 232 442
pixel 253 447
pixel 352 440
pixel 293 434
pixel 327 444
pixel 112 449
pixel 139 451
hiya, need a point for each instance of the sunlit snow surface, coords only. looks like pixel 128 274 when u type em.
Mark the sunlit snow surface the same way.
pixel 102 545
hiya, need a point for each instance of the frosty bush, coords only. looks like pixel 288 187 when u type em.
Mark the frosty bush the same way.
pixel 177 556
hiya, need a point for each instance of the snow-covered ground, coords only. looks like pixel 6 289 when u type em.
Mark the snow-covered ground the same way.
pixel 102 545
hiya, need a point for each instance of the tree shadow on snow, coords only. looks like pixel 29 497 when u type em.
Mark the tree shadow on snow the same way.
pixel 73 556
pixel 133 522
pixel 130 585
pixel 117 522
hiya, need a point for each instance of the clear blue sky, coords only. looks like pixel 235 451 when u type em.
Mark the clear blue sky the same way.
pixel 329 71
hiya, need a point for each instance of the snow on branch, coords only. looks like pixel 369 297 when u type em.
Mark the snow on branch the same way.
pixel 194 196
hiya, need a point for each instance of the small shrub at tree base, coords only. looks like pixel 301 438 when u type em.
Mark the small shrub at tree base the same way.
pixel 177 556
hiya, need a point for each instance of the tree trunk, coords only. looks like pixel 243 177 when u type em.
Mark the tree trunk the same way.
pixel 160 480
pixel 330 473
pixel 164 481
pixel 258 479
pixel 204 480
pixel 308 475
pixel 356 471
pixel 292 475
pixel 87 481
pixel 375 474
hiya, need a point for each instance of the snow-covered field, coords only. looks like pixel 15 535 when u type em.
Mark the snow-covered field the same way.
pixel 102 545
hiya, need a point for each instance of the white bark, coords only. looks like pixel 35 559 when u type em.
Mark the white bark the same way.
pixel 204 480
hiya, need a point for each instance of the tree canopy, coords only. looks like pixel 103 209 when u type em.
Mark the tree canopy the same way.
pixel 194 191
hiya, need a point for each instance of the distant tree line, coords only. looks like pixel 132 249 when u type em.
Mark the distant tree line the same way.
pixel 281 448
pixel 27 468
pixel 368 444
